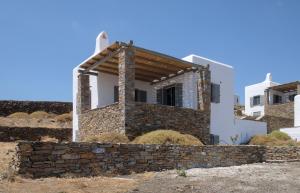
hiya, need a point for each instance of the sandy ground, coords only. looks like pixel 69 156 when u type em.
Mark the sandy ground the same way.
pixel 258 178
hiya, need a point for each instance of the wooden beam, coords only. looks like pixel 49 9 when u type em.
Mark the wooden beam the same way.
pixel 88 73
pixel 107 57
pixel 177 74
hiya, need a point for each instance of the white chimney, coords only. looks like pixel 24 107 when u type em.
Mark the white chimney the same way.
pixel 268 77
pixel 101 42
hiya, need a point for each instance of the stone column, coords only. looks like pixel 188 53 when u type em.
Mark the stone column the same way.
pixel 298 89
pixel 126 84
pixel 83 94
pixel 267 97
pixel 204 89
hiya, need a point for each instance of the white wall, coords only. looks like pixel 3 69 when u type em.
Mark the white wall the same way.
pixel 254 90
pixel 107 82
pixel 222 114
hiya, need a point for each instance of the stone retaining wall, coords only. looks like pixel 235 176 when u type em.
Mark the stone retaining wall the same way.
pixel 8 107
pixel 100 120
pixel 144 117
pixel 8 134
pixel 38 159
pixel 279 116
pixel 289 153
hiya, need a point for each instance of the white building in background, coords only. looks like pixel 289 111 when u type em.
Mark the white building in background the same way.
pixel 254 96
pixel 225 128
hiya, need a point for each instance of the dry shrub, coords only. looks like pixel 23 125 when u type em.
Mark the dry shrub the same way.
pixel 41 115
pixel 167 137
pixel 19 115
pixel 109 137
pixel 276 138
pixel 48 139
pixel 280 135
pixel 67 117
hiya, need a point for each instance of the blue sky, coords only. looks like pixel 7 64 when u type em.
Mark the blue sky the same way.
pixel 41 41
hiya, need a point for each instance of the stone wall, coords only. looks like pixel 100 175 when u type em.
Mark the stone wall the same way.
pixel 38 159
pixel 279 116
pixel 8 134
pixel 8 107
pixel 146 117
pixel 97 121
pixel 289 153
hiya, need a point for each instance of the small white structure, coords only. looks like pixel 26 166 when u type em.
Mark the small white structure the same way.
pixel 254 96
pixel 223 124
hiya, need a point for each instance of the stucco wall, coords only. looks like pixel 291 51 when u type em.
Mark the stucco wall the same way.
pixel 222 114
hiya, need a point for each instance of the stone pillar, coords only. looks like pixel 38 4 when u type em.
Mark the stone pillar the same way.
pixel 204 89
pixel 267 97
pixel 126 84
pixel 298 89
pixel 83 94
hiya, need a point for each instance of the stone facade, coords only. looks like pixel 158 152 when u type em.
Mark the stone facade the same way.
pixel 149 117
pixel 37 159
pixel 83 94
pixel 8 107
pixel 34 134
pixel 279 116
pixel 288 153
pixel 97 121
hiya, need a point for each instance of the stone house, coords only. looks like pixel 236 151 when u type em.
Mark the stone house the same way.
pixel 279 105
pixel 132 90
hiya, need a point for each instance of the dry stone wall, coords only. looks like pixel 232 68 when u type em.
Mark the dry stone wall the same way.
pixel 289 153
pixel 146 117
pixel 8 134
pixel 38 159
pixel 8 107
pixel 100 120
pixel 279 116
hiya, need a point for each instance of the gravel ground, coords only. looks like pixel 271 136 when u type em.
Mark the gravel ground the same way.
pixel 258 178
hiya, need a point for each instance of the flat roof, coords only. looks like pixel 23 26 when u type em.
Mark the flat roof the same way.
pixel 149 65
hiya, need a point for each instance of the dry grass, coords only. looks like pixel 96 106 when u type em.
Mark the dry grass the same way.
pixel 19 115
pixel 7 151
pixel 67 117
pixel 48 139
pixel 41 115
pixel 167 137
pixel 109 137
pixel 276 138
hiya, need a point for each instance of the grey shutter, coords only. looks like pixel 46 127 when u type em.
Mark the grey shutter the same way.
pixel 143 96
pixel 159 97
pixel 164 96
pixel 116 94
pixel 178 95
pixel 217 93
pixel 251 101
pixel 261 100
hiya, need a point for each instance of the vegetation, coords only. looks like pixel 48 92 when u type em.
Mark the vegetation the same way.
pixel 181 172
pixel 109 137
pixel 167 137
pixel 276 138
pixel 41 115
pixel 67 117
pixel 19 115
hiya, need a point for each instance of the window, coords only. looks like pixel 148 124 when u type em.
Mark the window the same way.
pixel 256 114
pixel 170 95
pixel 256 100
pixel 140 95
pixel 214 139
pixel 292 97
pixel 215 93
pixel 277 99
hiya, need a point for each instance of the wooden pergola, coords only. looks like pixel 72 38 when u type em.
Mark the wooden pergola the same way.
pixel 288 87
pixel 150 66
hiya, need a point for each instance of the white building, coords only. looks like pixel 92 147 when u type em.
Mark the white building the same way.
pixel 254 96
pixel 223 125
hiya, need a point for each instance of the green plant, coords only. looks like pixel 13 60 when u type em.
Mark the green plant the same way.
pixel 280 135
pixel 181 172
pixel 167 137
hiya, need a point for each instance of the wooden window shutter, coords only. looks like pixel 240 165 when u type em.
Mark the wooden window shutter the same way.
pixel 159 96
pixel 116 94
pixel 143 96
pixel 178 95
pixel 215 93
